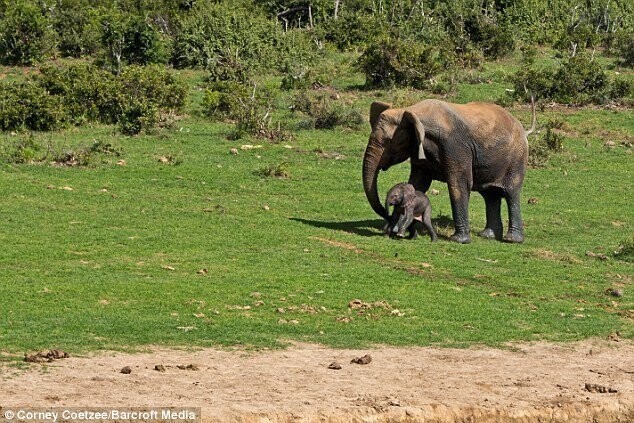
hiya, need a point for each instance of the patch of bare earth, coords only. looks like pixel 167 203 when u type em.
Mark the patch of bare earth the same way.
pixel 590 381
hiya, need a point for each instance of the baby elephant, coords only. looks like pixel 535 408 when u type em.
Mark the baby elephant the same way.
pixel 411 210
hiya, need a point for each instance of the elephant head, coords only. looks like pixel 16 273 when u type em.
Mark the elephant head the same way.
pixel 397 135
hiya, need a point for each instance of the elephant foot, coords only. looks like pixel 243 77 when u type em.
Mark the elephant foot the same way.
pixel 514 237
pixel 462 238
pixel 489 233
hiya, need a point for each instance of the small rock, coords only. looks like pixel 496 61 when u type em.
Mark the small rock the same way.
pixel 334 366
pixel 266 207
pixel 615 292
pixel 202 272
pixel 533 200
pixel 45 356
pixel 188 367
pixel 600 256
pixel 609 144
pixel 234 151
pixel 600 389
pixel 126 370
pixel 159 368
pixel 434 191
pixel 366 359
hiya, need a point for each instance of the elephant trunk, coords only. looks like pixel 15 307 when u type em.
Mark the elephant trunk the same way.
pixel 371 161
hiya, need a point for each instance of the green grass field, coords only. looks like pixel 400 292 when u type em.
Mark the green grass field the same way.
pixel 179 242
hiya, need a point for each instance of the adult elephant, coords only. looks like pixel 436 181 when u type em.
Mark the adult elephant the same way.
pixel 472 147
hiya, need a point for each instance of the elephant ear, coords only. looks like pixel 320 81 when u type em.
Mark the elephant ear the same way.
pixel 419 130
pixel 376 109
pixel 409 196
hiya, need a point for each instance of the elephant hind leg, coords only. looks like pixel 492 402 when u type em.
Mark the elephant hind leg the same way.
pixel 493 202
pixel 516 225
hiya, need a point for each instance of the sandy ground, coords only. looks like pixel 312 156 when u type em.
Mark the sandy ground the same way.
pixel 526 383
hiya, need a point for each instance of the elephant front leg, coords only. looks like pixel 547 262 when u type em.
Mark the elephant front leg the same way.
pixel 459 197
pixel 493 229
pixel 516 225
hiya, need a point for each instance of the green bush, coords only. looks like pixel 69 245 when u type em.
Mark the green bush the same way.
pixel 223 99
pixel 87 92
pixel 24 149
pixel 83 155
pixel 625 49
pixel 393 62
pixel 579 80
pixel 326 110
pixel 25 34
pixel 212 30
pixel 77 27
pixel 28 105
pixel 131 39
pixel 543 147
pixel 248 106
pixel 354 29
pixel 138 99
pixel 148 93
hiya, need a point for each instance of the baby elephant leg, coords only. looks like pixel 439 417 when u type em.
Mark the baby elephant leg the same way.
pixel 404 223
pixel 428 225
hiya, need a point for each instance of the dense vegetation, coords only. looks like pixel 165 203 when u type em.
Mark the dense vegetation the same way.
pixel 423 45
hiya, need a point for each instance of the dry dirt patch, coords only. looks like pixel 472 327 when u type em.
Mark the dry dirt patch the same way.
pixel 590 381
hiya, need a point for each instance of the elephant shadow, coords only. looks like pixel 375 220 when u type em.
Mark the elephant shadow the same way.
pixel 368 227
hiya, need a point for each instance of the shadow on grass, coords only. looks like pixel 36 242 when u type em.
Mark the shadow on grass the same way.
pixel 369 227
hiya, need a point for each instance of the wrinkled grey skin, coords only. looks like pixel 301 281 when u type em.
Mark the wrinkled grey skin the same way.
pixel 472 147
pixel 412 210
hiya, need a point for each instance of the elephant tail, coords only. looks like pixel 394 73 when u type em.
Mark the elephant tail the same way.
pixel 534 119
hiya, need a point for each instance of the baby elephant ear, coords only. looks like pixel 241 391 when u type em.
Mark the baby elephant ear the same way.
pixel 409 195
pixel 376 109
pixel 419 130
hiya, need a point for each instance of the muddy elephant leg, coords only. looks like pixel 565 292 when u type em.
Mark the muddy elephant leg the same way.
pixel 516 225
pixel 494 228
pixel 459 191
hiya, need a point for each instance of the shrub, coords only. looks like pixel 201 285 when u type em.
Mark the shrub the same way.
pixel 354 29
pixel 274 171
pixel 77 27
pixel 139 99
pixel 492 38
pixel 625 251
pixel 625 49
pixel 131 39
pixel 209 30
pixel 87 92
pixel 28 105
pixel 84 155
pixel 326 110
pixel 579 80
pixel 247 105
pixel 148 92
pixel 22 150
pixel 224 99
pixel 394 62
pixel 25 35
pixel 540 150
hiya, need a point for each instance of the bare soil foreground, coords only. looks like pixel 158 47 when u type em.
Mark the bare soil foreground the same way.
pixel 590 381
